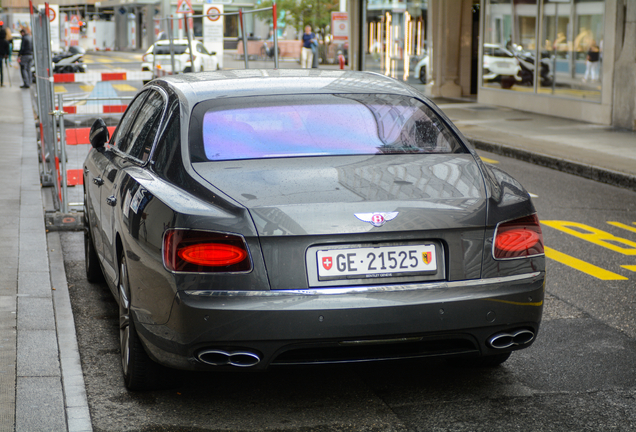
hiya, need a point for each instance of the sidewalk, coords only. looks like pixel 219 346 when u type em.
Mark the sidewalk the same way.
pixel 41 381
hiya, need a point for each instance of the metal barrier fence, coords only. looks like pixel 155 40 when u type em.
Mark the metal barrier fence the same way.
pixel 76 136
pixel 188 31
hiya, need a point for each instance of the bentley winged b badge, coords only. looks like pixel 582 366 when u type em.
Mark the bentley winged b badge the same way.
pixel 376 219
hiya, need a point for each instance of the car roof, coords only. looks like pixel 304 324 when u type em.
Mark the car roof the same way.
pixel 202 86
pixel 176 42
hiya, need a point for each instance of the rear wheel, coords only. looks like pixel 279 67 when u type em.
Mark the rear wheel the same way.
pixel 138 368
pixel 423 75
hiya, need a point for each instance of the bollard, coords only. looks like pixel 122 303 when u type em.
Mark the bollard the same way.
pixel 341 61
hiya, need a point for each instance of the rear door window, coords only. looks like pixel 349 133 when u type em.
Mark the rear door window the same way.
pixel 121 139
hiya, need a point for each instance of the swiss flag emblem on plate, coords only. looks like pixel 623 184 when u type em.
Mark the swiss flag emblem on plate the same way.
pixel 327 262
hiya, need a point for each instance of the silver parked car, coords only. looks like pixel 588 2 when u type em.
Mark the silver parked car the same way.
pixel 251 219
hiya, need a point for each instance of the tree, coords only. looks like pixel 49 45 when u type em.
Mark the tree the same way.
pixel 299 13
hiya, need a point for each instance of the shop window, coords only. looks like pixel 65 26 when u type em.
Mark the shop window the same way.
pixel 569 49
pixel 396 39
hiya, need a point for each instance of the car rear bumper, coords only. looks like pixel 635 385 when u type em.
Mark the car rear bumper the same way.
pixel 348 324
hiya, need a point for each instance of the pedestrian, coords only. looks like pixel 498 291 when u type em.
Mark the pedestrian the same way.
pixel 306 54
pixel 4 52
pixel 25 57
pixel 592 62
pixel 9 39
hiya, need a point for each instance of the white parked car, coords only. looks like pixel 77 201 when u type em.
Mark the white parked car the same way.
pixel 159 55
pixel 499 62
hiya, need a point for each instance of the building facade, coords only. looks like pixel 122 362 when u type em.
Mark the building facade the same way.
pixel 567 58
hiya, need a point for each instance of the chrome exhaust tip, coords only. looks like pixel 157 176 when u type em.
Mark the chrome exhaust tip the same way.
pixel 228 358
pixel 514 338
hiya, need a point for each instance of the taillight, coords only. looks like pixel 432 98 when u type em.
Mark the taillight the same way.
pixel 194 58
pixel 518 238
pixel 204 252
pixel 145 57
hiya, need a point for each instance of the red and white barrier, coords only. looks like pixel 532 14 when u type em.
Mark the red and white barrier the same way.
pixel 80 135
pixel 101 76
pixel 95 109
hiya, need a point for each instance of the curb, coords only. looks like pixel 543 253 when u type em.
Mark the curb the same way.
pixel 602 175
pixel 75 401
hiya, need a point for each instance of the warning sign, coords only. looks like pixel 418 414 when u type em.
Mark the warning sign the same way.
pixel 185 7
pixel 340 26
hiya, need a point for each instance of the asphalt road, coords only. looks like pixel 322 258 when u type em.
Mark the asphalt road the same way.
pixel 578 376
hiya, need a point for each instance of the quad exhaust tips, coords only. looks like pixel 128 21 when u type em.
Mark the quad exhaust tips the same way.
pixel 510 339
pixel 228 358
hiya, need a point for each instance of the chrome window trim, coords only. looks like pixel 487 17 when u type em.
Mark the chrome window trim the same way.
pixel 529 277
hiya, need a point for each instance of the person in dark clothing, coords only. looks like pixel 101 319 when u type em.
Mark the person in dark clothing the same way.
pixel 4 53
pixel 25 58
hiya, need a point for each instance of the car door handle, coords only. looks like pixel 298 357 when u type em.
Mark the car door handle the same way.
pixel 111 201
pixel 98 181
pixel 86 170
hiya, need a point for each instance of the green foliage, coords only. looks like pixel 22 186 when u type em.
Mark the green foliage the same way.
pixel 299 13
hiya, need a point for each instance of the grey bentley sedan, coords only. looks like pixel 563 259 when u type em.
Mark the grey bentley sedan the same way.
pixel 258 218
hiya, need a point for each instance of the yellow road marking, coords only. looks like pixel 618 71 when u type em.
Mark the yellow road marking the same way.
pixel 87 88
pixel 625 227
pixel 60 89
pixel 630 267
pixel 490 161
pixel 124 87
pixel 582 266
pixel 594 235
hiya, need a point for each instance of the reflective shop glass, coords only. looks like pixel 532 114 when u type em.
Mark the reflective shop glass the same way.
pixel 565 35
pixel 318 125
pixel 396 39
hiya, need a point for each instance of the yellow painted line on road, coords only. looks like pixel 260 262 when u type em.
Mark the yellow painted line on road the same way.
pixel 594 235
pixel 490 161
pixel 623 226
pixel 630 267
pixel 87 88
pixel 582 266
pixel 124 87
pixel 60 89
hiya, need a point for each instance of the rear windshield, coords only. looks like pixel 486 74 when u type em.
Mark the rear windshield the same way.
pixel 316 125
pixel 165 49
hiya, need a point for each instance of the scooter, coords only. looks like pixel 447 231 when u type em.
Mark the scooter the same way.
pixel 527 68
pixel 70 61
pixel 267 51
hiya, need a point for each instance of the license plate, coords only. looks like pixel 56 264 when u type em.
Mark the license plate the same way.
pixel 373 262
pixel 503 65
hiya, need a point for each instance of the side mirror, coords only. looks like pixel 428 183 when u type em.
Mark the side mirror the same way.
pixel 213 53
pixel 99 134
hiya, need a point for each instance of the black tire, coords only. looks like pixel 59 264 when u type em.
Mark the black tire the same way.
pixel 138 369
pixel 94 272
pixel 423 75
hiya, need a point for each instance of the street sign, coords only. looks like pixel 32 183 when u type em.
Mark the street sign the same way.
pixel 340 26
pixel 213 30
pixel 185 7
